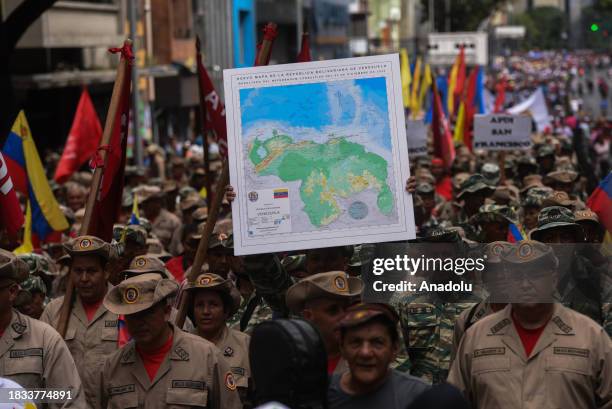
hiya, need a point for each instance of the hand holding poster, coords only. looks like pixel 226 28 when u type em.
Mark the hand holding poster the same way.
pixel 416 132
pixel 502 132
pixel 318 155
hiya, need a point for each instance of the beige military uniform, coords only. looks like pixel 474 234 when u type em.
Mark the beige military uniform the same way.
pixel 570 367
pixel 164 227
pixel 194 375
pixel 465 320
pixel 89 342
pixel 234 345
pixel 33 354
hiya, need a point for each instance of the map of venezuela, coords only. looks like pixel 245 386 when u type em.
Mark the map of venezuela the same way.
pixel 328 144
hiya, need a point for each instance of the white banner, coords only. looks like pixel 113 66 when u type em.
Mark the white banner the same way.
pixel 318 154
pixel 536 107
pixel 502 132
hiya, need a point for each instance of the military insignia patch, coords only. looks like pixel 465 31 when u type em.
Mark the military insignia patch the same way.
pixel 571 351
pixel 500 325
pixel 230 382
pixel 205 280
pixel 489 351
pixel 525 250
pixel 141 262
pixel 85 243
pixel 341 284
pixel 228 351
pixel 130 295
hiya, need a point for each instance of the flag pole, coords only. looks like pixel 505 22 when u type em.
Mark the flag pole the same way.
pixel 208 179
pixel 62 324
pixel 202 251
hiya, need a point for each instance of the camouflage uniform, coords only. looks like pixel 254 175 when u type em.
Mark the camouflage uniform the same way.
pixel 258 313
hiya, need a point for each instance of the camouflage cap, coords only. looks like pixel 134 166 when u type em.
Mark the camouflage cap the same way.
pixel 528 251
pixel 491 213
pixel 136 233
pixel 459 178
pixel 531 181
pixel 440 234
pixel 424 188
pixel 545 150
pixel 12 268
pixel 293 263
pixel 540 192
pixel 144 222
pixel 118 231
pixel 139 293
pixel 532 201
pixel 34 284
pixel 190 203
pixel 200 214
pixel 491 173
pixel 147 264
pixel 331 284
pixel 214 282
pixel 87 245
pixel 187 191
pixel 586 215
pixel 558 198
pixel 527 161
pixel 563 176
pixel 36 263
pixel 475 183
pixel 553 217
pixel 359 314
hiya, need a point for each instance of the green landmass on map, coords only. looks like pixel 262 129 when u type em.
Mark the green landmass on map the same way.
pixel 337 168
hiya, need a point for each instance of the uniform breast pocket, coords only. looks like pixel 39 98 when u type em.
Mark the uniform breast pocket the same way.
pixel 109 339
pixel 123 401
pixel 568 377
pixel 25 367
pixel 421 332
pixel 491 375
pixel 182 398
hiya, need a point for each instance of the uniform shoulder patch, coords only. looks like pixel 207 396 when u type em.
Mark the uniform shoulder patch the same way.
pixel 181 353
pixel 500 325
pixel 186 384
pixel 127 355
pixel 228 351
pixel 571 351
pixel 230 382
pixel 118 390
pixel 236 370
pixel 18 327
pixel 562 325
pixel 489 351
pixel 22 353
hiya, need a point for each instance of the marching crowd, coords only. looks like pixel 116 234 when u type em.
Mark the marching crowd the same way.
pixel 123 348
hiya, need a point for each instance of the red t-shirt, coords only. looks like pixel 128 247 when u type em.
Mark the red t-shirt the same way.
pixel 175 266
pixel 445 188
pixel 332 363
pixel 152 361
pixel 90 309
pixel 529 337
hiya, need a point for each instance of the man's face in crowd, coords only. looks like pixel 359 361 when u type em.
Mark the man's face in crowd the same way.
pixel 148 326
pixel 76 199
pixel 325 259
pixel 559 235
pixel 565 187
pixel 89 277
pixel 217 261
pixel 325 313
pixel 429 202
pixel 437 171
pixel 593 232
pixel 473 201
pixel 495 231
pixel 208 311
pixel 37 306
pixel 530 217
pixel 547 163
pixel 533 284
pixel 368 350
pixel 151 208
pixel 190 246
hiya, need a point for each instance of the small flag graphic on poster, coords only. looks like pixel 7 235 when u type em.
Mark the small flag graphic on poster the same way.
pixel 281 193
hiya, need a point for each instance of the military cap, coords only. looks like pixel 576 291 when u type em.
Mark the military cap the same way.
pixel 147 264
pixel 545 150
pixel 439 234
pixel 363 313
pixel 169 186
pixel 127 199
pixel 144 222
pixel 540 192
pixel 528 251
pixel 331 284
pixel 293 263
pixel 139 293
pixel 148 192
pixel 136 233
pixel 199 171
pixel 473 184
pixel 531 181
pixel 12 267
pixel 424 175
pixel 156 249
pixel 118 231
pixel 563 176
pixel 558 198
pixel 88 245
pixel 586 215
pixel 493 251
pixel 33 284
pixel 214 282
pixel 532 201
pixel 37 263
pixel 505 194
pixel 564 163
pixel 527 161
pixel 459 178
pixel 189 202
pixel 489 213
pixel 491 173
pixel 186 191
pixel 200 214
pixel 424 188
pixel 552 217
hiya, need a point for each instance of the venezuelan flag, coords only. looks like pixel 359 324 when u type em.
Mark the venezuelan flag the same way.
pixel 29 178
pixel 600 202
pixel 135 218
pixel 124 335
pixel 515 233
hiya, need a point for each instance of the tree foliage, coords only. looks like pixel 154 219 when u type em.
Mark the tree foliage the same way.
pixel 545 27
pixel 465 15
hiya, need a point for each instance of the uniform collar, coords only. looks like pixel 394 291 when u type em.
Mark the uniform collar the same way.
pixel 79 311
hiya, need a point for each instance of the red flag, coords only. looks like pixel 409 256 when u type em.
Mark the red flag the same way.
pixel 304 55
pixel 83 139
pixel 212 104
pixel 470 108
pixel 442 137
pixel 108 202
pixel 460 84
pixel 270 34
pixel 500 95
pixel 11 215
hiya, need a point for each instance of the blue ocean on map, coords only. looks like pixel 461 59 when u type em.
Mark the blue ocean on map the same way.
pixel 339 107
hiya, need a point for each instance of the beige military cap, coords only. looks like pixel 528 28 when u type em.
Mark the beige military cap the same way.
pixel 190 202
pixel 558 198
pixel 494 250
pixel 139 293
pixel 147 192
pixel 12 267
pixel 156 249
pixel 200 214
pixel 323 285
pixel 528 251
pixel 214 282
pixel 563 176
pixel 531 181
pixel 586 215
pixel 147 264
pixel 88 245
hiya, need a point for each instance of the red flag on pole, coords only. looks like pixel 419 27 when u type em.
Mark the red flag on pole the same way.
pixel 214 108
pixel 270 34
pixel 11 215
pixel 442 137
pixel 304 55
pixel 500 95
pixel 470 108
pixel 108 202
pixel 83 139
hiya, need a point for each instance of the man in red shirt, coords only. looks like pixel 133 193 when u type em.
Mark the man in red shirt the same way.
pixel 444 184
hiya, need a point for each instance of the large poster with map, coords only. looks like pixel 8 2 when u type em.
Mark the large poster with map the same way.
pixel 318 154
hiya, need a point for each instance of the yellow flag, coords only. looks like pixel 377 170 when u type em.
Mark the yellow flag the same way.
pixel 405 75
pixel 426 84
pixel 414 96
pixel 26 243
pixel 452 81
pixel 458 135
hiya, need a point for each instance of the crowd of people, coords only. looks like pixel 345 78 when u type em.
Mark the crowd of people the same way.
pixel 125 348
